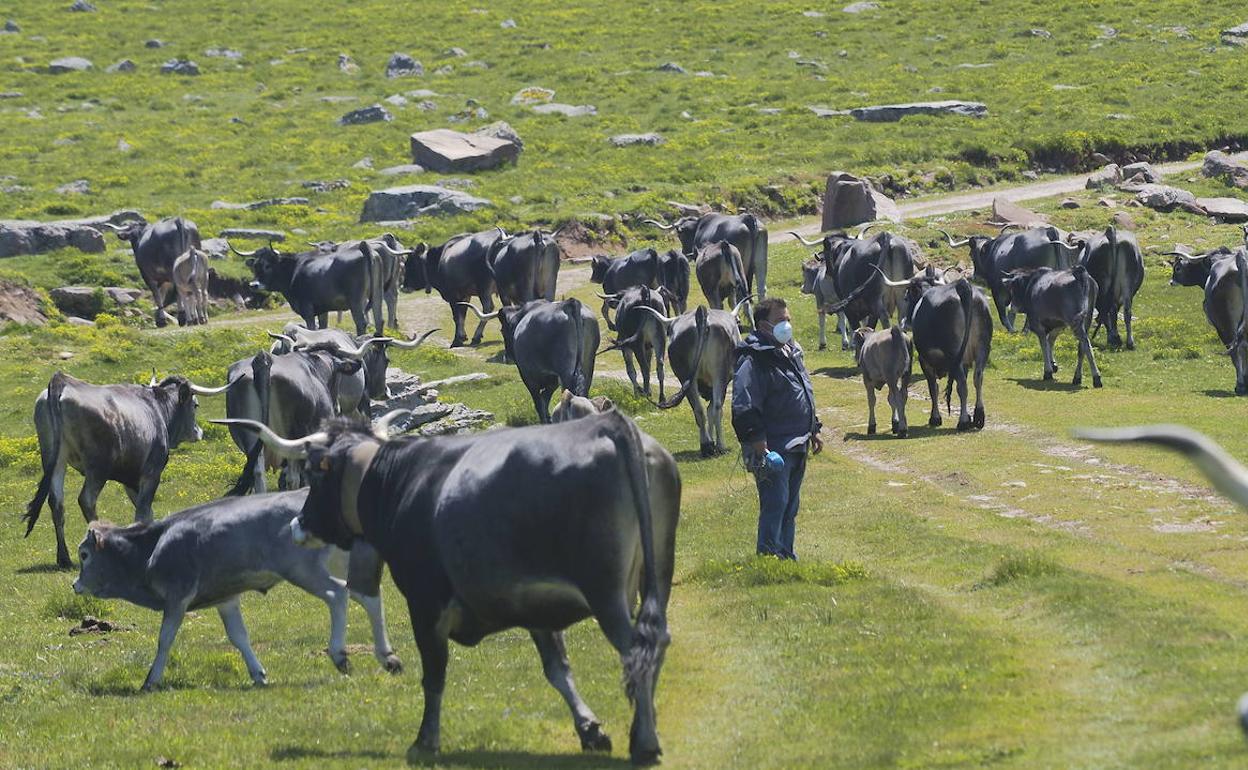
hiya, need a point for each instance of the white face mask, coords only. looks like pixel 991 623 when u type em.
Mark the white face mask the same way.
pixel 783 332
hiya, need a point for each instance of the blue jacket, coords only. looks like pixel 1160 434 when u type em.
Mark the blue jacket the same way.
pixel 772 397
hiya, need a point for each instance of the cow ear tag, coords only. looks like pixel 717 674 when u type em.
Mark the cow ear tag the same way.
pixel 325 464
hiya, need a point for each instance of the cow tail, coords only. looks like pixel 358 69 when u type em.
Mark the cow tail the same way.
pixel 55 387
pixel 1081 275
pixel 260 366
pixel 700 321
pixel 578 385
pixel 650 636
pixel 758 257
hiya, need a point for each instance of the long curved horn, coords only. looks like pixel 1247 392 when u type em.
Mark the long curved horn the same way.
pixel 952 243
pixel 804 241
pixel 241 253
pixel 864 229
pixel 1185 256
pixel 381 428
pixel 113 227
pixel 737 307
pixel 658 224
pixel 154 381
pixel 885 279
pixel 607 297
pixel 411 344
pixel 285 338
pixel 290 448
pixel 358 352
pixel 667 322
pixel 200 390
pixel 478 313
pixel 1007 226
pixel 502 234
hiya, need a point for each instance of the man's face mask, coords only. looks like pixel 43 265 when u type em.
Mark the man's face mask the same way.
pixel 783 332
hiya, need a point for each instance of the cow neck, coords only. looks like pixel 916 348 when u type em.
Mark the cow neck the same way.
pixel 359 458
pixel 167 404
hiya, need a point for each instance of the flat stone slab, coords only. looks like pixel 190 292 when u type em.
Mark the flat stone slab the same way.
pixel 566 110
pixel 444 150
pixel 24 236
pixel 412 201
pixel 372 114
pixel 849 200
pixel 1219 165
pixel 406 168
pixel 888 113
pixel 248 232
pixel 1005 211
pixel 628 140
pixel 264 204
pixel 1164 197
pixel 1226 209
pixel 69 64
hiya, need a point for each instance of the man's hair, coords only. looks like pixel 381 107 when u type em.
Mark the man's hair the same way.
pixel 764 309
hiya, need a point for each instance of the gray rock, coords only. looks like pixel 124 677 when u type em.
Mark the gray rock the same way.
pixel 445 69
pixel 82 301
pixel 445 150
pixel 406 168
pixel 457 182
pixel 365 162
pixel 426 106
pixel 848 201
pixel 971 66
pixel 421 93
pixel 672 66
pixel 1005 210
pixel 371 114
pixel 456 52
pixel 261 204
pixel 321 186
pixel 76 187
pixel 1069 203
pixel 249 232
pixel 224 53
pixel 401 65
pixel 74 320
pixel 824 112
pixel 813 14
pixel 122 295
pixel 10 94
pixel 1239 31
pixel 533 95
pixel 154 43
pixel 770 110
pixel 1225 209
pixel 1165 198
pixel 627 140
pixel 1043 34
pixel 339 99
pixel 1107 32
pixel 347 64
pixel 1030 175
pixel 1108 203
pixel 412 201
pixel 886 113
pixel 215 248
pixel 861 7
pixel 396 100
pixel 1143 169
pixel 124 146
pixel 508 24
pixel 69 64
pixel 11 26
pixel 567 110
pixel 180 67
pixel 82 6
pixel 500 129
pixel 1219 165
pixel 1109 176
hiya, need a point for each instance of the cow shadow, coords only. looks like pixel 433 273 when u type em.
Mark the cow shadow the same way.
pixel 839 372
pixel 1058 385
pixel 1220 393
pixel 42 569
pixel 302 753
pixel 511 759
pixel 696 456
pixel 884 433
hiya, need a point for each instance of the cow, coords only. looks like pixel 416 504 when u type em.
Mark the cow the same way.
pixel 208 556
pixel 316 282
pixel 552 344
pixel 121 433
pixel 389 258
pixel 525 267
pixel 156 247
pixel 853 267
pixel 372 351
pixel 638 268
pixel 1191 270
pixel 721 275
pixel 885 357
pixel 744 231
pixel 536 527
pixel 994 259
pixel 951 329
pixel 818 282
pixel 1225 308
pixel 1053 299
pixel 459 270
pixel 574 407
pixel 641 335
pixel 701 350
pixel 190 280
pixel 674 280
pixel 1114 261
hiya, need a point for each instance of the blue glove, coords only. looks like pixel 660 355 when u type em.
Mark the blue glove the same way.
pixel 773 460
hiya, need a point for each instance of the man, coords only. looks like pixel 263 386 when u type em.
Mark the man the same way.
pixel 773 415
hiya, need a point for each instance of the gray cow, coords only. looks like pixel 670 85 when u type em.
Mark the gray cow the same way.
pixel 208 556
pixel 1052 300
pixel 744 231
pixel 525 267
pixel 370 350
pixel 459 269
pixel 885 358
pixel 574 407
pixel 156 247
pixel 1114 261
pixel 721 275
pixel 1226 287
pixel 190 281
pixel 817 281
pixel 640 336
pixel 121 433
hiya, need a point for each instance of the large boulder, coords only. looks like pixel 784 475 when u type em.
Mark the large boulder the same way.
pixel 81 301
pixel 1166 198
pixel 22 236
pixel 1148 174
pixel 69 64
pixel 20 304
pixel 418 200
pixel 849 201
pixel 1225 209
pixel 445 150
pixel 1005 211
pixel 888 113
pixel 401 65
pixel 1219 165
pixel 1109 176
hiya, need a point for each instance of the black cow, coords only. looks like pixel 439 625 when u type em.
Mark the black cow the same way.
pixel 721 275
pixel 370 350
pixel 1189 270
pixel 459 269
pixel 156 248
pixel 316 282
pixel 208 556
pixel 744 231
pixel 1114 261
pixel 674 280
pixel 641 335
pixel 638 268
pixel 536 528
pixel 1226 286
pixel 525 267
pixel 856 266
pixel 1053 299
pixel 121 433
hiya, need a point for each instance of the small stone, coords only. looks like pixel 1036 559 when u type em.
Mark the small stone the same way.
pixel 1069 203
pixel 180 67
pixel 627 140
pixel 69 64
pixel 11 26
pixel 533 95
pixel 124 146
pixel 250 232
pixel 420 93
pixel 445 69
pixel 125 65
pixel 224 53
pixel 1043 34
pixel 476 65
pixel 76 187
pixel 326 186
pixel 566 110
pixel 372 114
pixel 365 162
pixel 397 100
pixel 861 7
pixel 686 115
pixel 508 24
pixel 154 43
pixel 1108 203
pixel 65 355
pixel 426 106
pixel 402 65
pixel 347 64
pixel 456 52
pixel 672 66
pixel 813 14
pixel 82 6
pixel 74 320
pixel 1030 175
pixel 516 200
pixel 406 168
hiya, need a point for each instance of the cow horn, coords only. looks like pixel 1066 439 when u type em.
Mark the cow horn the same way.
pixel 952 243
pixel 478 313
pixel 1007 226
pixel 607 297
pixel 658 224
pixel 804 241
pixel 662 318
pixel 290 448
pixel 155 380
pixel 886 280
pixel 502 234
pixel 1185 256
pixel 201 390
pixel 381 428
pixel 113 227
pixel 241 253
pixel 618 344
pixel 284 338
pixel 864 229
pixel 358 351
pixel 411 344
pixel 560 229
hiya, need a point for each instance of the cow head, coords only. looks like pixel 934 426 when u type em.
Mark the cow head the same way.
pixel 574 407
pixel 376 361
pixel 598 265
pixel 269 266
pixel 176 395
pixel 130 231
pixel 674 278
pixel 103 570
pixel 421 263
pixel 1017 285
pixel 1189 270
pixel 810 273
pixel 686 230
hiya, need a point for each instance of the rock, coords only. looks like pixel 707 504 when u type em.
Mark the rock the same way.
pixel 1226 209
pixel 1004 211
pixel 372 114
pixel 1143 169
pixel 65 355
pixel 82 301
pixel 224 53
pixel 456 52
pixel 566 110
pixel 180 67
pixel 1107 31
pixel 69 64
pixel 124 146
pixel 20 304
pixel 347 64
pixel 1164 197
pixel 122 296
pixel 458 183
pixel 500 129
pixel 848 201
pixel 406 168
pixel 627 140
pixel 215 248
pixel 412 201
pixel 1043 34
pixel 74 320
pixel 462 419
pixel 1109 176
pixel 76 187
pixel 770 110
pixel 1219 165
pixel 1236 35
pixel 10 94
pixel 11 26
pixel 257 234
pixel 813 14
pixel 365 162
pixel 396 100
pixel 508 24
pixel 1108 203
pixel 1029 175
pixel 1069 203
pixel 445 69
pixel 82 6
pixel 1123 220
pixel 894 112
pixel 672 66
pixel 339 99
pixel 426 106
pixel 321 186
pixel 33 237
pixel 261 204
pixel 861 7
pixel 533 95
pixel 153 43
pixel 401 65
pixel 125 65
pixel 445 150
pixel 421 93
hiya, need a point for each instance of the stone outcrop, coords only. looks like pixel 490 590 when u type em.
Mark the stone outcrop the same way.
pixel 848 201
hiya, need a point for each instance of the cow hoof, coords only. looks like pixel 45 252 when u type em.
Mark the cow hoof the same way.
pixel 260 679
pixel 1096 382
pixel 1048 376
pixel 392 664
pixel 1076 381
pixel 419 751
pixel 934 422
pixel 893 427
pixel 343 664
pixel 709 450
pixel 1241 390
pixel 871 429
pixel 964 425
pixel 978 419
pixel 64 562
pixel 594 739
pixel 644 757
pixel 457 343
pixel 1130 344
pixel 902 433
pixel 844 346
pixel 1055 366
pixel 823 347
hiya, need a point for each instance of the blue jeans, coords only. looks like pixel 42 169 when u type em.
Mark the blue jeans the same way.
pixel 779 493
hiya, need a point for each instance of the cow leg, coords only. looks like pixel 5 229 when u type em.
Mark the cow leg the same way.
pixel 1126 321
pixel 1085 349
pixel 323 320
pixel 89 493
pixel 897 400
pixel 170 622
pixel 631 370
pixel 433 659
pixel 659 353
pixel 643 359
pixel 1045 354
pixel 541 401
pixel 487 306
pixel 823 334
pixel 232 618
pixel 616 624
pixel 144 495
pixel 555 665
pixel 699 416
pixel 56 501
pixel 933 392
pixel 606 314
pixel 716 416
pixel 1111 328
pixel 458 312
pixel 359 316
pixel 964 419
pixel 158 300
pixel 870 406
pixel 842 325
pixel 364 571
pixel 1003 310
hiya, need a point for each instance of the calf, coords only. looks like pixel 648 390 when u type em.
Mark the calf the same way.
pixel 574 407
pixel 1052 300
pixel 208 556
pixel 190 279
pixel 885 358
pixel 817 281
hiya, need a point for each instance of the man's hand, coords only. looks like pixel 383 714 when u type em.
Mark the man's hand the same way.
pixel 816 443
pixel 759 447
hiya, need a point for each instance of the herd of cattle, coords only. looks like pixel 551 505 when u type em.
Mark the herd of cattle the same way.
pixel 467 545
